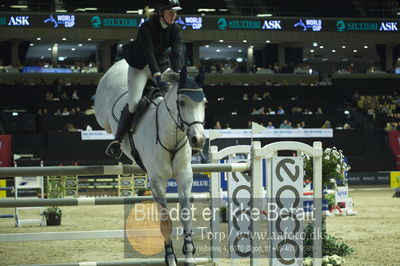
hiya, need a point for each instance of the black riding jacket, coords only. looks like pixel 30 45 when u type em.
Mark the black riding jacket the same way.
pixel 151 44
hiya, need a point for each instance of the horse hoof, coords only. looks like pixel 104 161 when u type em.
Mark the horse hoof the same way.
pixel 171 261
pixel 190 262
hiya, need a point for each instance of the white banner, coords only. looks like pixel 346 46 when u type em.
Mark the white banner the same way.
pixel 275 133
pixel 96 135
pixel 236 134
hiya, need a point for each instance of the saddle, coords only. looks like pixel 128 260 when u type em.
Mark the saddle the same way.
pixel 149 94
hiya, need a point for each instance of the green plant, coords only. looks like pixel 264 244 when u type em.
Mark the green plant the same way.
pixel 330 245
pixel 331 199
pixel 52 211
pixel 223 214
pixel 334 167
pixel 55 189
pixel 326 261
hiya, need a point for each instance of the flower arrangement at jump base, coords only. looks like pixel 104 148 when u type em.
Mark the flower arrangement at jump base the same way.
pixel 334 167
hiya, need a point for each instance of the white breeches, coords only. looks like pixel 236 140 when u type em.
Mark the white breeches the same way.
pixel 137 80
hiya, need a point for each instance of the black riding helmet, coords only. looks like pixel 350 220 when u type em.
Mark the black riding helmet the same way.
pixel 168 4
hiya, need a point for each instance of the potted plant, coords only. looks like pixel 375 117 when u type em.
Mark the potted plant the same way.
pixel 55 189
pixel 53 216
pixel 334 167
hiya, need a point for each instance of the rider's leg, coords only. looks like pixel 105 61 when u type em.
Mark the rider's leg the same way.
pixel 137 80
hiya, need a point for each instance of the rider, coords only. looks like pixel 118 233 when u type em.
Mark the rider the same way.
pixel 147 58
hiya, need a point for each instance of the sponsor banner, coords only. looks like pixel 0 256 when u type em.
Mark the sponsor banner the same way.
pixel 237 134
pixel 274 133
pixel 200 185
pixel 343 26
pixel 394 140
pixel 5 150
pixel 96 135
pixel 220 23
pixel 395 179
pixel 368 178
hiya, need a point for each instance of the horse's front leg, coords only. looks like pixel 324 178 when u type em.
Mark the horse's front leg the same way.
pixel 184 179
pixel 158 188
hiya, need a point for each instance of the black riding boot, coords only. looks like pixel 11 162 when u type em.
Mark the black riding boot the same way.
pixel 114 148
pixel 139 112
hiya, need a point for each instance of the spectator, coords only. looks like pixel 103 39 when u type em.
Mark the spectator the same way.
pixel 266 96
pixel 45 112
pixel 227 126
pixel 217 125
pixel 75 95
pixel 298 125
pixel 65 112
pixel 69 127
pixel 319 111
pixel 87 127
pixel 307 111
pixel 271 112
pixel 78 111
pixel 48 96
pixel 270 125
pixel 346 126
pixel 303 124
pixel 39 112
pixel 72 112
pixel 256 97
pixel 64 96
pixel 327 124
pixel 57 112
pixel 245 97
pixel 284 124
pixel 280 111
pixel 296 110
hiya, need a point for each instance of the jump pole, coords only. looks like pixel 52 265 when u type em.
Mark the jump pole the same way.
pixel 11 203
pixel 109 170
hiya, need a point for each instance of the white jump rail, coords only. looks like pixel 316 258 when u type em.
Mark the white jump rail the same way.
pixel 109 170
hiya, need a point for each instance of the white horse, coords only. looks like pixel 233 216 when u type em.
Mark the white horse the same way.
pixel 164 138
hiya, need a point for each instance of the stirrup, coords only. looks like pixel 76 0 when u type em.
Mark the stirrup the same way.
pixel 114 150
pixel 169 250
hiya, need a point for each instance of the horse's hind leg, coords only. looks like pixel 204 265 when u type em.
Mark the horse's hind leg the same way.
pixel 158 188
pixel 184 179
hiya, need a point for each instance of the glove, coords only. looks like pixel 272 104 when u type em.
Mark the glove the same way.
pixel 163 85
pixel 169 74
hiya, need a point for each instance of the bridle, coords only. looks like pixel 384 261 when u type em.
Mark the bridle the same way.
pixel 180 124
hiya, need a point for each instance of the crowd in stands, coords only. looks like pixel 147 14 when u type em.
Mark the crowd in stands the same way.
pixel 71 67
pixel 292 68
pixel 383 110
pixel 286 125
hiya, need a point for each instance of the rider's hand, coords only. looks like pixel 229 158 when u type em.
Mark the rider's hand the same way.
pixel 170 74
pixel 163 85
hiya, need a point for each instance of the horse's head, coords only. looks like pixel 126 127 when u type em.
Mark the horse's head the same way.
pixel 191 108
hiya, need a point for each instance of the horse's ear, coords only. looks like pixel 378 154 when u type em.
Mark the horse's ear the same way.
pixel 201 76
pixel 182 78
